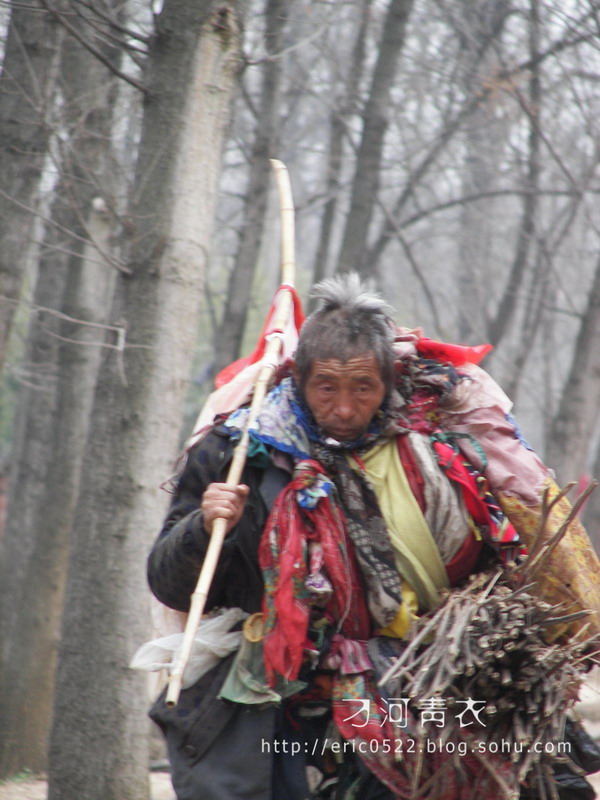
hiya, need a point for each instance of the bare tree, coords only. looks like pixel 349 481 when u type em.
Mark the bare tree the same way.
pixel 509 300
pixel 266 135
pixel 98 743
pixel 368 159
pixel 346 106
pixel 27 84
pixel 479 25
pixel 577 415
pixel 73 282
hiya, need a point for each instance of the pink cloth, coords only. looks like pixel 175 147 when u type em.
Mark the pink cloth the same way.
pixel 479 407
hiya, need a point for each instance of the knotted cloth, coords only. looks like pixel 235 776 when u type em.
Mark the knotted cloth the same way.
pixel 304 549
pixel 306 560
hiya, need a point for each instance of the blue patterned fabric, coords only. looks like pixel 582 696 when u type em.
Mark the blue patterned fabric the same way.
pixel 286 423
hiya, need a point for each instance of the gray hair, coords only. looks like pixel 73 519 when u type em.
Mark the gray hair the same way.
pixel 350 320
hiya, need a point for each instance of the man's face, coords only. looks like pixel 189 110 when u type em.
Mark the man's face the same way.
pixel 343 397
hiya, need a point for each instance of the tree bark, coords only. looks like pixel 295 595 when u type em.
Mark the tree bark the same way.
pixel 27 84
pixel 99 744
pixel 481 22
pixel 591 512
pixel 48 455
pixel 231 330
pixel 29 659
pixel 353 250
pixel 507 307
pixel 27 473
pixel 577 415
pixel 346 107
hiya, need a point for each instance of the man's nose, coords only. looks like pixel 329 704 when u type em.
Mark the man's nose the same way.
pixel 345 408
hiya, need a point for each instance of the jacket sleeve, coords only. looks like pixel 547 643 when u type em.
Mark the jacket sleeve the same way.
pixel 177 556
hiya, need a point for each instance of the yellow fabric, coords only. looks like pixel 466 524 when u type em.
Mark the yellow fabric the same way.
pixel 571 574
pixel 400 626
pixel 417 556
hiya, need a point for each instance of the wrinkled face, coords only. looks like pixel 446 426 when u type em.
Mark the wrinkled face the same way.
pixel 344 397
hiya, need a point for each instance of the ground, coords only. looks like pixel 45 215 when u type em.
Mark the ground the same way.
pixel 160 783
pixel 160 787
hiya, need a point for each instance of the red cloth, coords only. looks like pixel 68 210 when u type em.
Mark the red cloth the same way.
pixel 231 370
pixel 456 354
pixel 412 471
pixel 476 495
pixel 283 560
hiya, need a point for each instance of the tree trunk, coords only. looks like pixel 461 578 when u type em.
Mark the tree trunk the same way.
pixel 352 256
pixel 591 512
pixel 507 308
pixel 27 84
pixel 27 470
pixel 231 330
pixel 569 440
pixel 29 661
pixel 480 24
pixel 346 107
pixel 44 486
pixel 99 746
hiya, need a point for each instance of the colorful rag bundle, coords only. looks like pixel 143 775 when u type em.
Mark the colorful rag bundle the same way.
pixel 302 542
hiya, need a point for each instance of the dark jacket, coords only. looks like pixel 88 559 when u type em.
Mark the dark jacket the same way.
pixel 178 553
pixel 200 721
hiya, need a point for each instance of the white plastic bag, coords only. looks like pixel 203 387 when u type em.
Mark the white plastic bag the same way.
pixel 214 640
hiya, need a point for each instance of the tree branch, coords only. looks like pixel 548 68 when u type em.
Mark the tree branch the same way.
pixel 93 50
pixel 113 23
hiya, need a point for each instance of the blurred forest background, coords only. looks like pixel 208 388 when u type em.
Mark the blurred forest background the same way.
pixel 450 151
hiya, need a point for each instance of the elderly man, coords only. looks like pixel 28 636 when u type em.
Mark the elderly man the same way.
pixel 354 513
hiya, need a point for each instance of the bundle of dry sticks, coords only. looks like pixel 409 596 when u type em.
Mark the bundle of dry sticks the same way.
pixel 488 642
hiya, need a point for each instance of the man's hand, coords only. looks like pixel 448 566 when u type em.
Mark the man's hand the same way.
pixel 223 500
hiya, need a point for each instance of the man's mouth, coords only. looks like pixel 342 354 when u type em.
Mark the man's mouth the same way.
pixel 344 434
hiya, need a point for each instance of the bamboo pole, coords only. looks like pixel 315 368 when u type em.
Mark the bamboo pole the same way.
pixel 269 360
